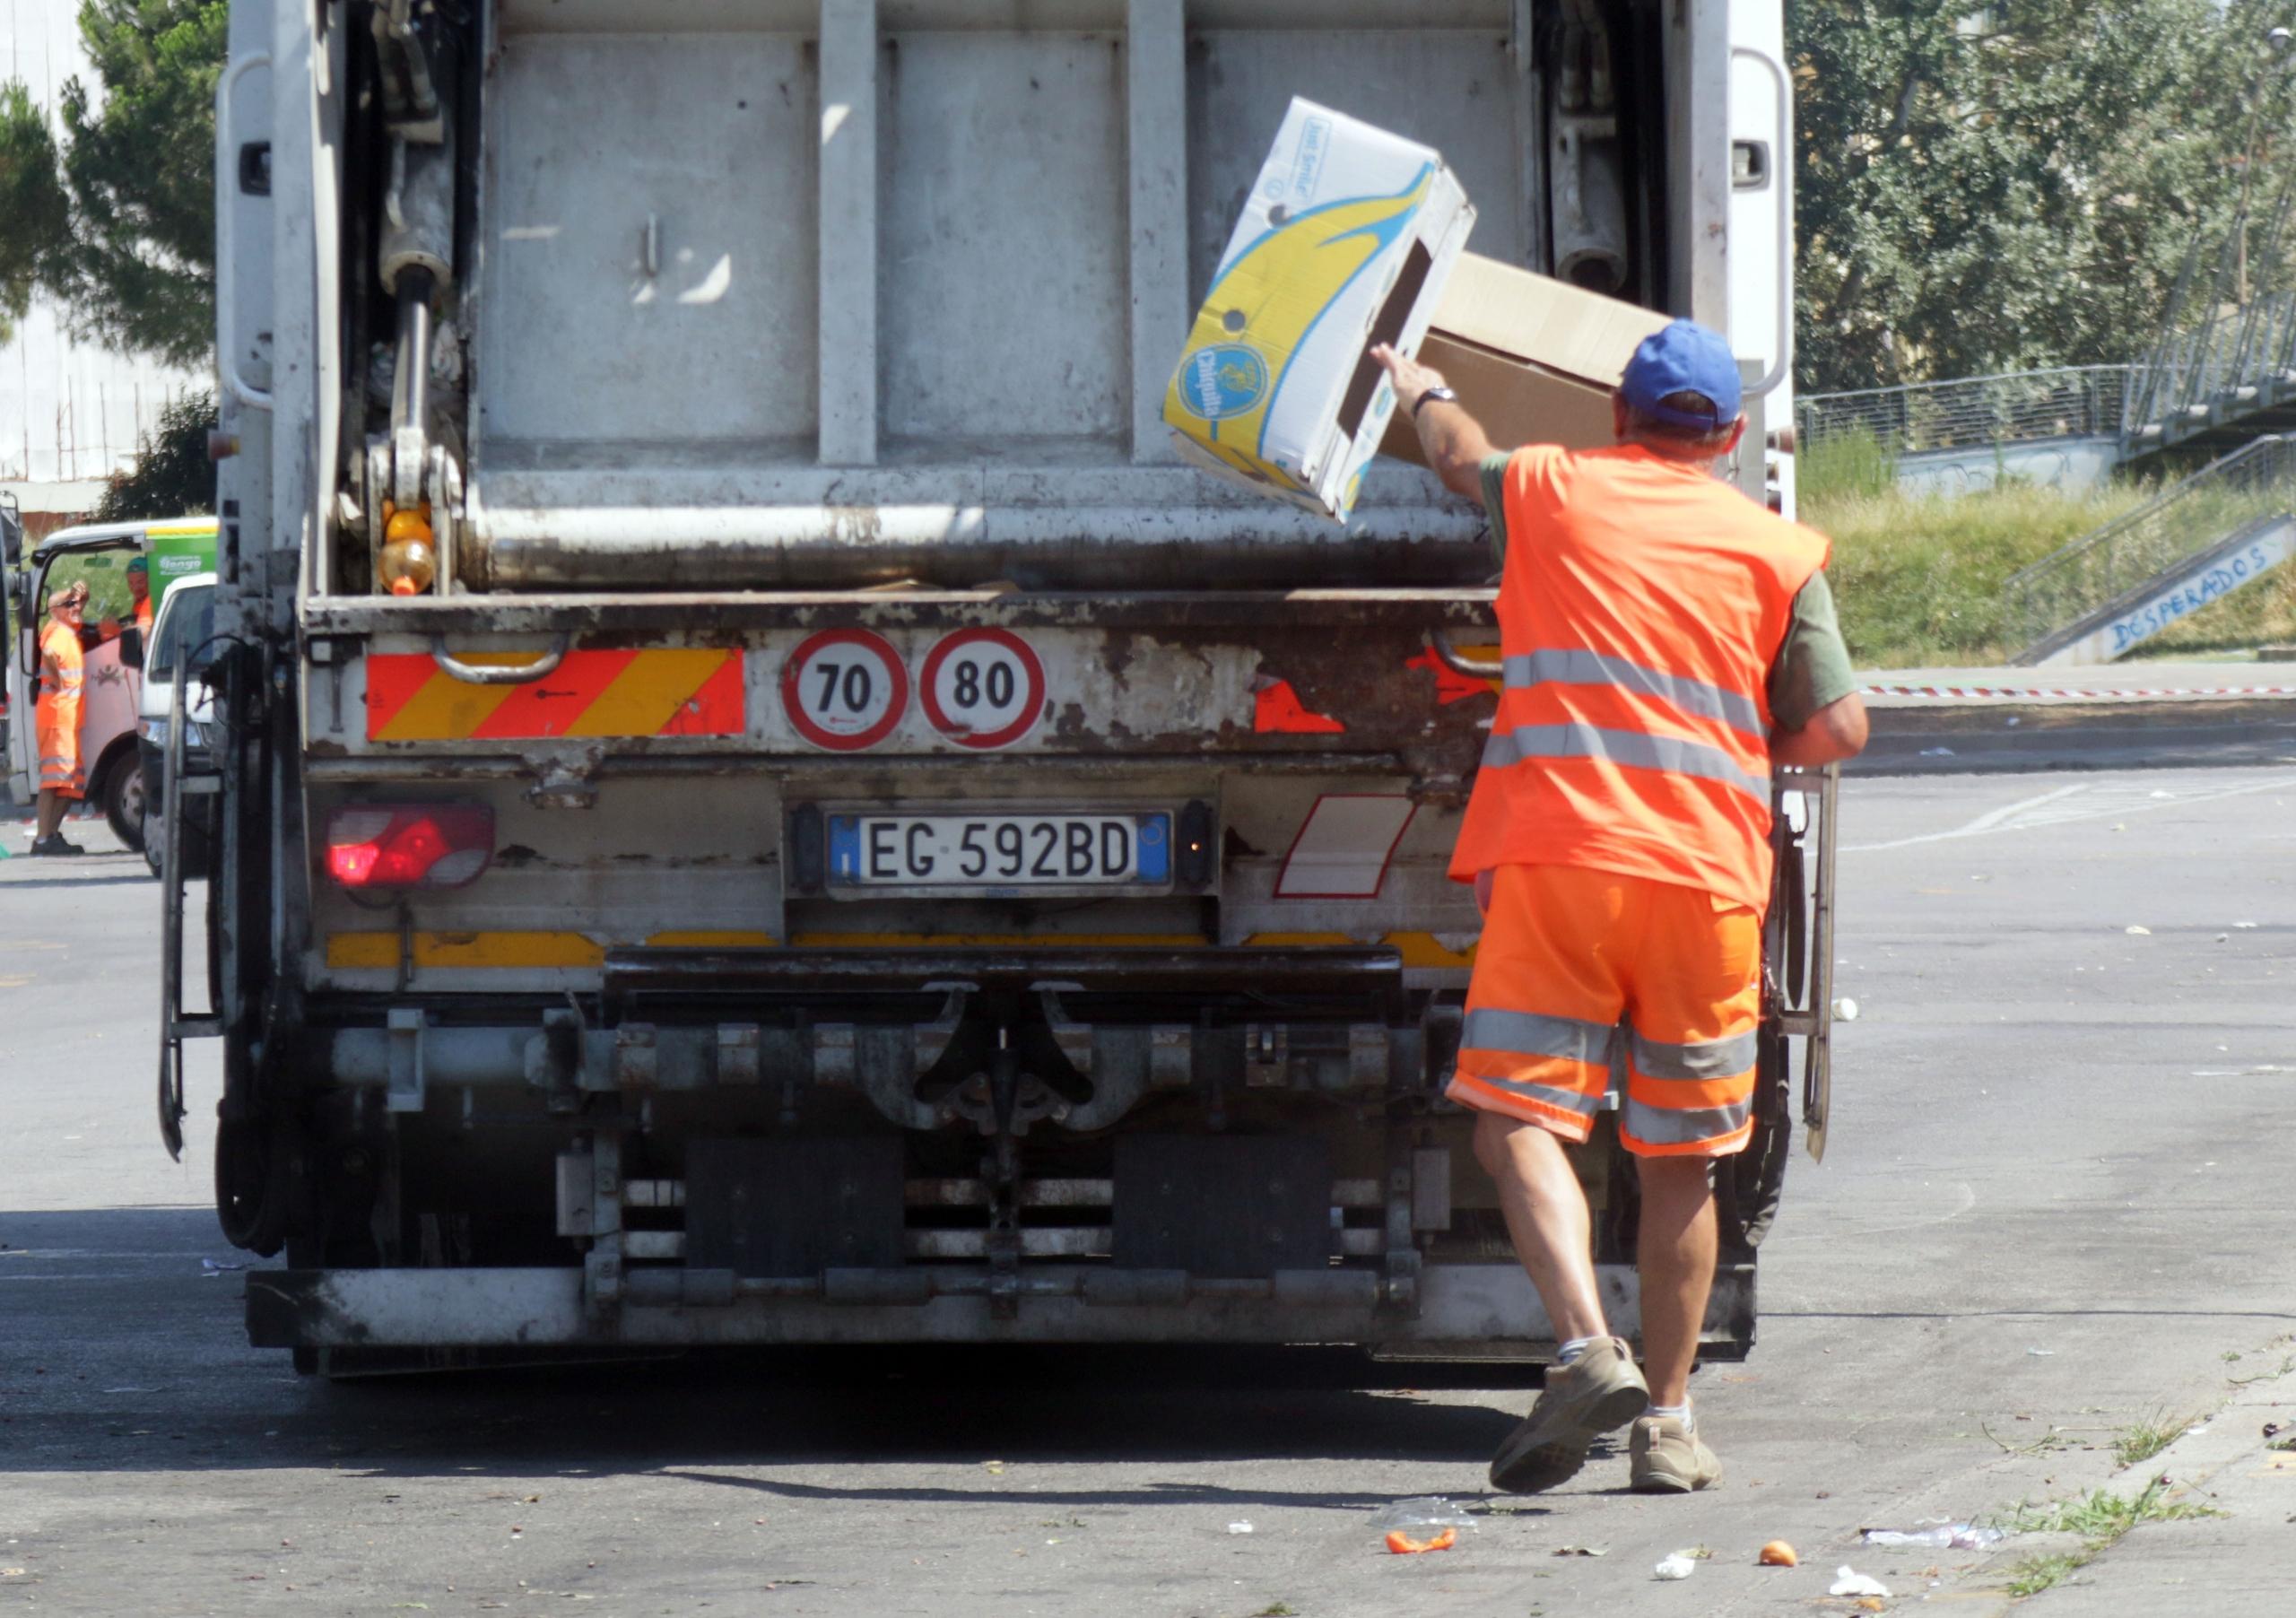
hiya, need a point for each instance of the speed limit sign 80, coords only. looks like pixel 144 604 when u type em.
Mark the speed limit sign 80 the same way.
pixel 843 690
pixel 982 688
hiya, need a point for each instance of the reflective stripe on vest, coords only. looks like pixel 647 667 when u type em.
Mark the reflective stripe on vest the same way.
pixel 1632 748
pixel 1696 697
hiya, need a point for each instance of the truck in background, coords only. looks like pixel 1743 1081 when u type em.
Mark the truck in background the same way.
pixel 756 800
pixel 173 548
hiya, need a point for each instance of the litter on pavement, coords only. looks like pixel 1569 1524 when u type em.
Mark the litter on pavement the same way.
pixel 1778 1553
pixel 1402 1544
pixel 1939 1537
pixel 1421 1514
pixel 1849 1581
pixel 1677 1566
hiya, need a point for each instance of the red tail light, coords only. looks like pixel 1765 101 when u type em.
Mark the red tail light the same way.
pixel 409 845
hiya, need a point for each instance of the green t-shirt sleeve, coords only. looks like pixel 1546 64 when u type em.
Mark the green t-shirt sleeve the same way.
pixel 1812 670
pixel 1494 505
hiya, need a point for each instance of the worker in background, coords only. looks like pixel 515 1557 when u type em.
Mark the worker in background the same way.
pixel 1667 642
pixel 57 713
pixel 139 591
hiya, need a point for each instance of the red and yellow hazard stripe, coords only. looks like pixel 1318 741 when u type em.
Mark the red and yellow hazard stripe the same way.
pixel 662 691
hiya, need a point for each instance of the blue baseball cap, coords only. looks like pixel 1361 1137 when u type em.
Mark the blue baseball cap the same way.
pixel 1683 357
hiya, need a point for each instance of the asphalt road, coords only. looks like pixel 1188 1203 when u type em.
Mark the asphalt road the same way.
pixel 2055 1207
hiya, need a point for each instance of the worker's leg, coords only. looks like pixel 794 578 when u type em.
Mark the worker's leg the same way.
pixel 1535 1062
pixel 1676 1258
pixel 1696 987
pixel 1545 1210
pixel 49 814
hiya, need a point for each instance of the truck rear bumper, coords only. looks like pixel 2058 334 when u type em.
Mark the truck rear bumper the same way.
pixel 1462 1310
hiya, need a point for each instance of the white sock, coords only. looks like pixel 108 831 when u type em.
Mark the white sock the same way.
pixel 1572 1350
pixel 1681 1413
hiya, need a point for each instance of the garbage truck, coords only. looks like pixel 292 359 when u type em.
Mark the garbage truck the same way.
pixel 756 800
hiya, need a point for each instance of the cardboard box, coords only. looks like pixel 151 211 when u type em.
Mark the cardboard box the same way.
pixel 1532 358
pixel 1347 240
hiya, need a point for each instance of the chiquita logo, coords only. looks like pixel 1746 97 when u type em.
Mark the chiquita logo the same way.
pixel 1223 381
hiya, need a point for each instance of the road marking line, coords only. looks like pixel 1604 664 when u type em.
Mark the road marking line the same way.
pixel 2102 800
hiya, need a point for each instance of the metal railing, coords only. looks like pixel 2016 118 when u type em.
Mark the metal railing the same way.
pixel 2181 521
pixel 2070 401
pixel 2234 353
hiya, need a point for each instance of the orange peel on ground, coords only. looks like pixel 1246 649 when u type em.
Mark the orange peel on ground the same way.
pixel 1778 1553
pixel 1403 1545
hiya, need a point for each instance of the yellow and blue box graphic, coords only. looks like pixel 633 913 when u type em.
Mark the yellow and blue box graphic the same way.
pixel 1346 241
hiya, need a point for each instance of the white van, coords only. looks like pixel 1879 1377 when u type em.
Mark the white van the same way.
pixel 182 644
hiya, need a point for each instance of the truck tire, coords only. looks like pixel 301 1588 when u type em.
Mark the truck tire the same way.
pixel 121 794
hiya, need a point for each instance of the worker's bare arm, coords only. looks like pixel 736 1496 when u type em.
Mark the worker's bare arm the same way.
pixel 1453 442
pixel 1835 732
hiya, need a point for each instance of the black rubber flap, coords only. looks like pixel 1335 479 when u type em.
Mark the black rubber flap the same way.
pixel 793 1207
pixel 1222 1205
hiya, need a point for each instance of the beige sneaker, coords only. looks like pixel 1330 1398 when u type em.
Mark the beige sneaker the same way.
pixel 1665 1458
pixel 1598 1392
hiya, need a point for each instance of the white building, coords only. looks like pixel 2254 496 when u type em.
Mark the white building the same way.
pixel 72 413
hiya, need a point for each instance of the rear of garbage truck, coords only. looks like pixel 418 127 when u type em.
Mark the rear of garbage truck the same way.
pixel 760 801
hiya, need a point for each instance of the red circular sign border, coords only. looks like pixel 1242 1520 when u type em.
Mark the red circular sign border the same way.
pixel 1031 714
pixel 793 700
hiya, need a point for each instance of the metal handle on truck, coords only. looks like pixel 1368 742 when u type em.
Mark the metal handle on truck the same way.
pixel 509 673
pixel 1438 641
pixel 1782 164
pixel 227 353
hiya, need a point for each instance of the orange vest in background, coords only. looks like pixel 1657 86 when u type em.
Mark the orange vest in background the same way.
pixel 59 692
pixel 1642 605
pixel 143 614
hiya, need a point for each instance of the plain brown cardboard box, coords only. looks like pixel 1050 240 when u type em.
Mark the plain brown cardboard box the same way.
pixel 1533 359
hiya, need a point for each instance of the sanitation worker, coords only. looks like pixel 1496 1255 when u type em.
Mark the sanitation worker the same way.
pixel 139 590
pixel 56 714
pixel 1666 641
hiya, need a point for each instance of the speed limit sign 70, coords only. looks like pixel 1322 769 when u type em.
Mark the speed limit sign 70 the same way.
pixel 843 690
pixel 982 688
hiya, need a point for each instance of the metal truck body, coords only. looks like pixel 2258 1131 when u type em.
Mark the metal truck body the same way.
pixel 907 859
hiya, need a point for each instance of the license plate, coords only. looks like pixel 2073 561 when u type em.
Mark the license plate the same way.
pixel 989 851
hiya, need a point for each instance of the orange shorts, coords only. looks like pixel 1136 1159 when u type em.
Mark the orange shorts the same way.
pixel 59 753
pixel 1567 953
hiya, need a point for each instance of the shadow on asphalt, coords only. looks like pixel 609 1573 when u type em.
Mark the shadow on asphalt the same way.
pixel 116 1354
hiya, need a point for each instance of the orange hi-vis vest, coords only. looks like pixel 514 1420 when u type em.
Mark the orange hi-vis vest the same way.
pixel 1640 608
pixel 60 688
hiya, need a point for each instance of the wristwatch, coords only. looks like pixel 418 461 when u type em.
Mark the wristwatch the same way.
pixel 1433 395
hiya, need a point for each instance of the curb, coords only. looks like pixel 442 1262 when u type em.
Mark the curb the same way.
pixel 2116 732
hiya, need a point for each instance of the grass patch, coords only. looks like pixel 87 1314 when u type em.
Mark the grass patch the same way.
pixel 1918 578
pixel 2102 1515
pixel 2146 1438
pixel 2099 1516
pixel 2035 1574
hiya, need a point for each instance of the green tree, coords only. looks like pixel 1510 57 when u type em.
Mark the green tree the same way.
pixel 1983 188
pixel 136 266
pixel 32 209
pixel 174 476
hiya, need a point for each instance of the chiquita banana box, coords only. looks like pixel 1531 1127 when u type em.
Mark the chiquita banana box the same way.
pixel 1345 242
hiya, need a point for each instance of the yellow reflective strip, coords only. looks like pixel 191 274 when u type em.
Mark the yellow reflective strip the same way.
pixel 362 952
pixel 180 530
pixel 369 951
pixel 821 940
pixel 1298 941
pixel 447 709
pixel 647 694
pixel 1420 949
pixel 711 941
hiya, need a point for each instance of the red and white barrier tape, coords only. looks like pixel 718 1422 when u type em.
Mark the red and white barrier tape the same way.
pixel 2043 693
